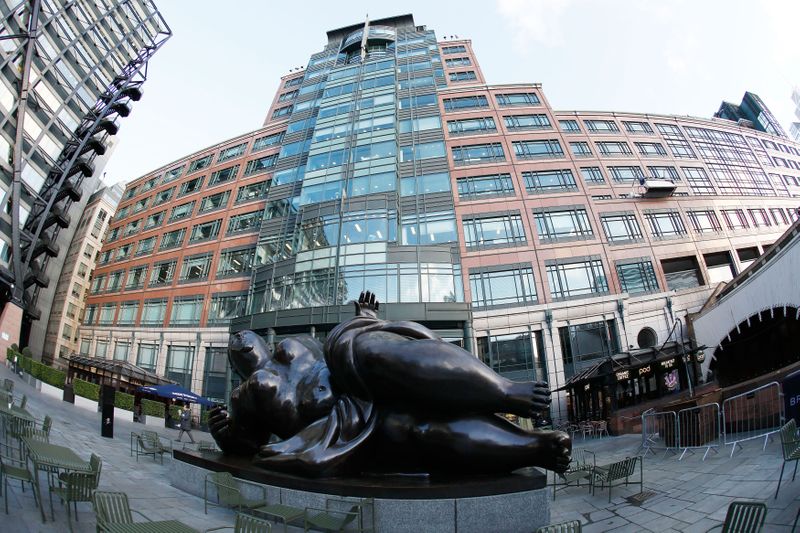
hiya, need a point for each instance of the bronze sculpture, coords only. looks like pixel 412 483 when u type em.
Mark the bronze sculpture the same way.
pixel 379 397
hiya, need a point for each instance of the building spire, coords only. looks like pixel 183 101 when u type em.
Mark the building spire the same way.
pixel 364 39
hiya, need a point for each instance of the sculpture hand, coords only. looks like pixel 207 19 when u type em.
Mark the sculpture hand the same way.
pixel 219 425
pixel 367 305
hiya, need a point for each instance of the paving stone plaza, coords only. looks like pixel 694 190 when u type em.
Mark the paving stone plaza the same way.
pixel 690 495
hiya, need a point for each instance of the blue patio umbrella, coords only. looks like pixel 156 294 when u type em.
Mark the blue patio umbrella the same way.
pixel 175 392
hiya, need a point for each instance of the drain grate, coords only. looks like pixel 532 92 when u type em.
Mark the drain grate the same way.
pixel 640 498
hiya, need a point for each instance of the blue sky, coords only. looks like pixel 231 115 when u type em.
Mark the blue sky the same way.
pixel 217 75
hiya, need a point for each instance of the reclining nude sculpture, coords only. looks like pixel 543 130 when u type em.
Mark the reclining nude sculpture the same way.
pixel 379 397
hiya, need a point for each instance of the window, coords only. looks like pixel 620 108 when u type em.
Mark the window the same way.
pixel 285 97
pixel 257 165
pixel 637 127
pixel 369 152
pixel 147 358
pixel 621 227
pixel 122 212
pixel 704 221
pixel 471 126
pixel 637 276
pixel 172 174
pixel 569 279
pixel 418 101
pixel 121 351
pixel 215 201
pixel 262 143
pixel 136 277
pixel 545 181
pixel 83 269
pixel 664 173
pixel 553 225
pixel 253 191
pixel 623 174
pixel 186 311
pixel 494 231
pixel 458 49
pixel 665 223
pixel 601 126
pixel 98 223
pixel 406 126
pixel 614 148
pixel 512 99
pixel 464 103
pixel 180 362
pixel 277 208
pixel 244 222
pixel 517 356
pixel 91 314
pixel 580 149
pixel 172 239
pixel 66 332
pixel 77 290
pixel 181 211
pixel 200 164
pixel 229 153
pixel 466 75
pixel 163 196
pixel 193 185
pixel 421 151
pixel 196 268
pixel 85 344
pixel 282 111
pixel 98 283
pixel 680 148
pixel 123 252
pixel 236 262
pixel 429 228
pixel 227 174
pixel 478 153
pixel 300 147
pixel 492 185
pixel 149 184
pixel 592 175
pixel 153 312
pixel 527 122
pixel 681 273
pixel 145 246
pixel 333 158
pixel 107 314
pixel 154 220
pixel 669 130
pixel 458 62
pixel 162 273
pixel 537 149
pixel 357 186
pixel 127 315
pixel 140 205
pixel 569 126
pixel 778 215
pixel 698 180
pixel 651 149
pixel 113 234
pixel 205 231
pixel 502 285
pixel 101 348
pixel 130 193
pixel 132 227
pixel 427 184
pixel 224 307
pixel 735 218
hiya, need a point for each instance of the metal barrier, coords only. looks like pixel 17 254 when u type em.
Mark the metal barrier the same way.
pixel 699 427
pixel 752 414
pixel 659 431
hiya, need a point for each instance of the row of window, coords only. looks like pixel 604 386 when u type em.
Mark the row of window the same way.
pixel 185 311
pixel 573 223
pixel 235 262
pixel 219 176
pixel 246 193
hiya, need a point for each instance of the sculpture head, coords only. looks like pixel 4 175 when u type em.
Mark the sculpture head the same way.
pixel 289 387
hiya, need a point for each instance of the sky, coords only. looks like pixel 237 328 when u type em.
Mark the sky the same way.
pixel 216 77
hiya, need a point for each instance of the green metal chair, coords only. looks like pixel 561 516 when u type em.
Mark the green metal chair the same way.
pixel 573 526
pixel 790 445
pixel 246 524
pixel 113 508
pixel 42 433
pixel 24 402
pixel 229 493
pixel 329 519
pixel 580 468
pixel 744 517
pixel 8 385
pixel 617 473
pixel 79 487
pixel 11 468
pixel 149 443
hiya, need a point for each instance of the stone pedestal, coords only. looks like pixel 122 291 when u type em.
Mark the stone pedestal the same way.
pixel 511 503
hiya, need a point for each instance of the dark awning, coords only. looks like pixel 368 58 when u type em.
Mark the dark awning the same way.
pixel 123 369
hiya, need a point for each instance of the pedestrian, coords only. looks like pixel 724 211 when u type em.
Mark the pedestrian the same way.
pixel 185 423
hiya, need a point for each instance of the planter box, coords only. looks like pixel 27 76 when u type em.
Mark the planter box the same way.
pixel 122 414
pixel 85 403
pixel 53 392
pixel 156 421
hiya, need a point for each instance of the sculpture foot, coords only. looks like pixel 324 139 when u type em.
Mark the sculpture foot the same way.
pixel 528 399
pixel 553 450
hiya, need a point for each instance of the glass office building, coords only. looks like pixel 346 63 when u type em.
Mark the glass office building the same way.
pixel 540 240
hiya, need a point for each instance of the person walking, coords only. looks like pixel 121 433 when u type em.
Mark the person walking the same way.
pixel 185 423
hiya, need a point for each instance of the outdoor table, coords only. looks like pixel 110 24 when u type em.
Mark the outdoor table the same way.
pixel 161 526
pixel 15 415
pixel 51 458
